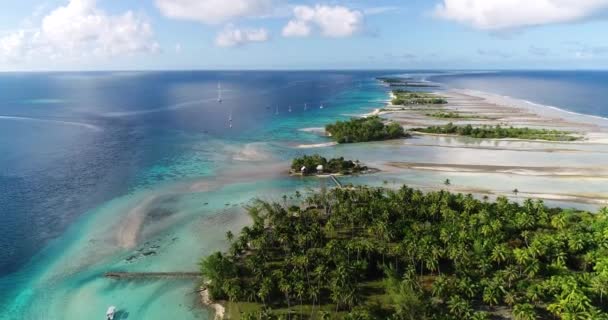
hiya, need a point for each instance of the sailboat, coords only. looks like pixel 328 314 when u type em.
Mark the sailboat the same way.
pixel 219 92
pixel 277 112
pixel 321 107
pixel 305 106
pixel 289 108
pixel 230 118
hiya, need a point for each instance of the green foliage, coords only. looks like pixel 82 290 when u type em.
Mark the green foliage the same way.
pixel 335 165
pixel 450 115
pixel 440 256
pixel 499 132
pixel 404 97
pixel 364 129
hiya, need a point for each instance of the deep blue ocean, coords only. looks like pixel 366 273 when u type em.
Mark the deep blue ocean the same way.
pixel 578 91
pixel 71 141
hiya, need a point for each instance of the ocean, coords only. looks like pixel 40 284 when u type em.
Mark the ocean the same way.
pixel 576 91
pixel 144 171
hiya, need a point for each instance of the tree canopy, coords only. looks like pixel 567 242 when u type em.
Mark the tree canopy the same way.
pixel 364 129
pixel 375 253
pixel 334 165
pixel 498 132
pixel 405 97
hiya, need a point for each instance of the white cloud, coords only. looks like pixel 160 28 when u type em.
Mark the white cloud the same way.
pixel 80 29
pixel 297 28
pixel 509 14
pixel 213 11
pixel 331 21
pixel 13 45
pixel 231 36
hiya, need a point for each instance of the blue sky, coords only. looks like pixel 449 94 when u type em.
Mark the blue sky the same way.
pixel 303 34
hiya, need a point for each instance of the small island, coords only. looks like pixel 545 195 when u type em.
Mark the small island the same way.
pixel 498 132
pixel 377 253
pixel 316 165
pixel 405 97
pixel 406 82
pixel 364 130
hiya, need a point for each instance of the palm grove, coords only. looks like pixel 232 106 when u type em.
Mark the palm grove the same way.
pixel 375 253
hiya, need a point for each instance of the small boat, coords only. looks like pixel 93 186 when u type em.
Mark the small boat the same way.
pixel 289 108
pixel 110 313
pixel 277 112
pixel 305 107
pixel 321 107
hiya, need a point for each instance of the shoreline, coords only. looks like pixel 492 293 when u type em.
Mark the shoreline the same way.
pixel 218 309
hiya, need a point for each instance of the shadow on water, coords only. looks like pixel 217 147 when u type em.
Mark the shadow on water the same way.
pixel 121 314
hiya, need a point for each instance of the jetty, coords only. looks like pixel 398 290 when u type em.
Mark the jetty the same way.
pixel 150 275
pixel 336 181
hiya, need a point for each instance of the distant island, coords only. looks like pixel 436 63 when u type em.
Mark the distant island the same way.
pixel 377 253
pixel 404 97
pixel 498 132
pixel 406 82
pixel 364 129
pixel 316 164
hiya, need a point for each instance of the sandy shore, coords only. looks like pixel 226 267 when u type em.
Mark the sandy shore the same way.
pixel 218 309
pixel 316 145
pixel 589 173
pixel 129 228
pixel 480 108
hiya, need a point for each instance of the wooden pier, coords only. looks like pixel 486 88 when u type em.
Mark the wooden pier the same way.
pixel 336 181
pixel 119 275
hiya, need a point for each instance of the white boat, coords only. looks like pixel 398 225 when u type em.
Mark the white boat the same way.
pixel 110 313
pixel 289 108
pixel 305 106
pixel 321 107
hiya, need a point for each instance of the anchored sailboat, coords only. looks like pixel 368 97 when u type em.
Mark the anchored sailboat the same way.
pixel 305 106
pixel 277 112
pixel 321 107
pixel 289 108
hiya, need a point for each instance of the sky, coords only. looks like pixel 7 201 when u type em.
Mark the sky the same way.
pixel 48 35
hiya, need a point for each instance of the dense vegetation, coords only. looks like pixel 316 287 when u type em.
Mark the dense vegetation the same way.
pixel 450 115
pixel 393 80
pixel 406 82
pixel 335 165
pixel 372 253
pixel 499 132
pixel 364 129
pixel 404 97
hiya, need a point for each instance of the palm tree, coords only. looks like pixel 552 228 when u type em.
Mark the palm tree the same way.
pixel 229 236
pixel 460 307
pixel 524 312
pixel 499 254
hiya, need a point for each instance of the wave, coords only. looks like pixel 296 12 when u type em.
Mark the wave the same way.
pixel 558 108
pixel 70 123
